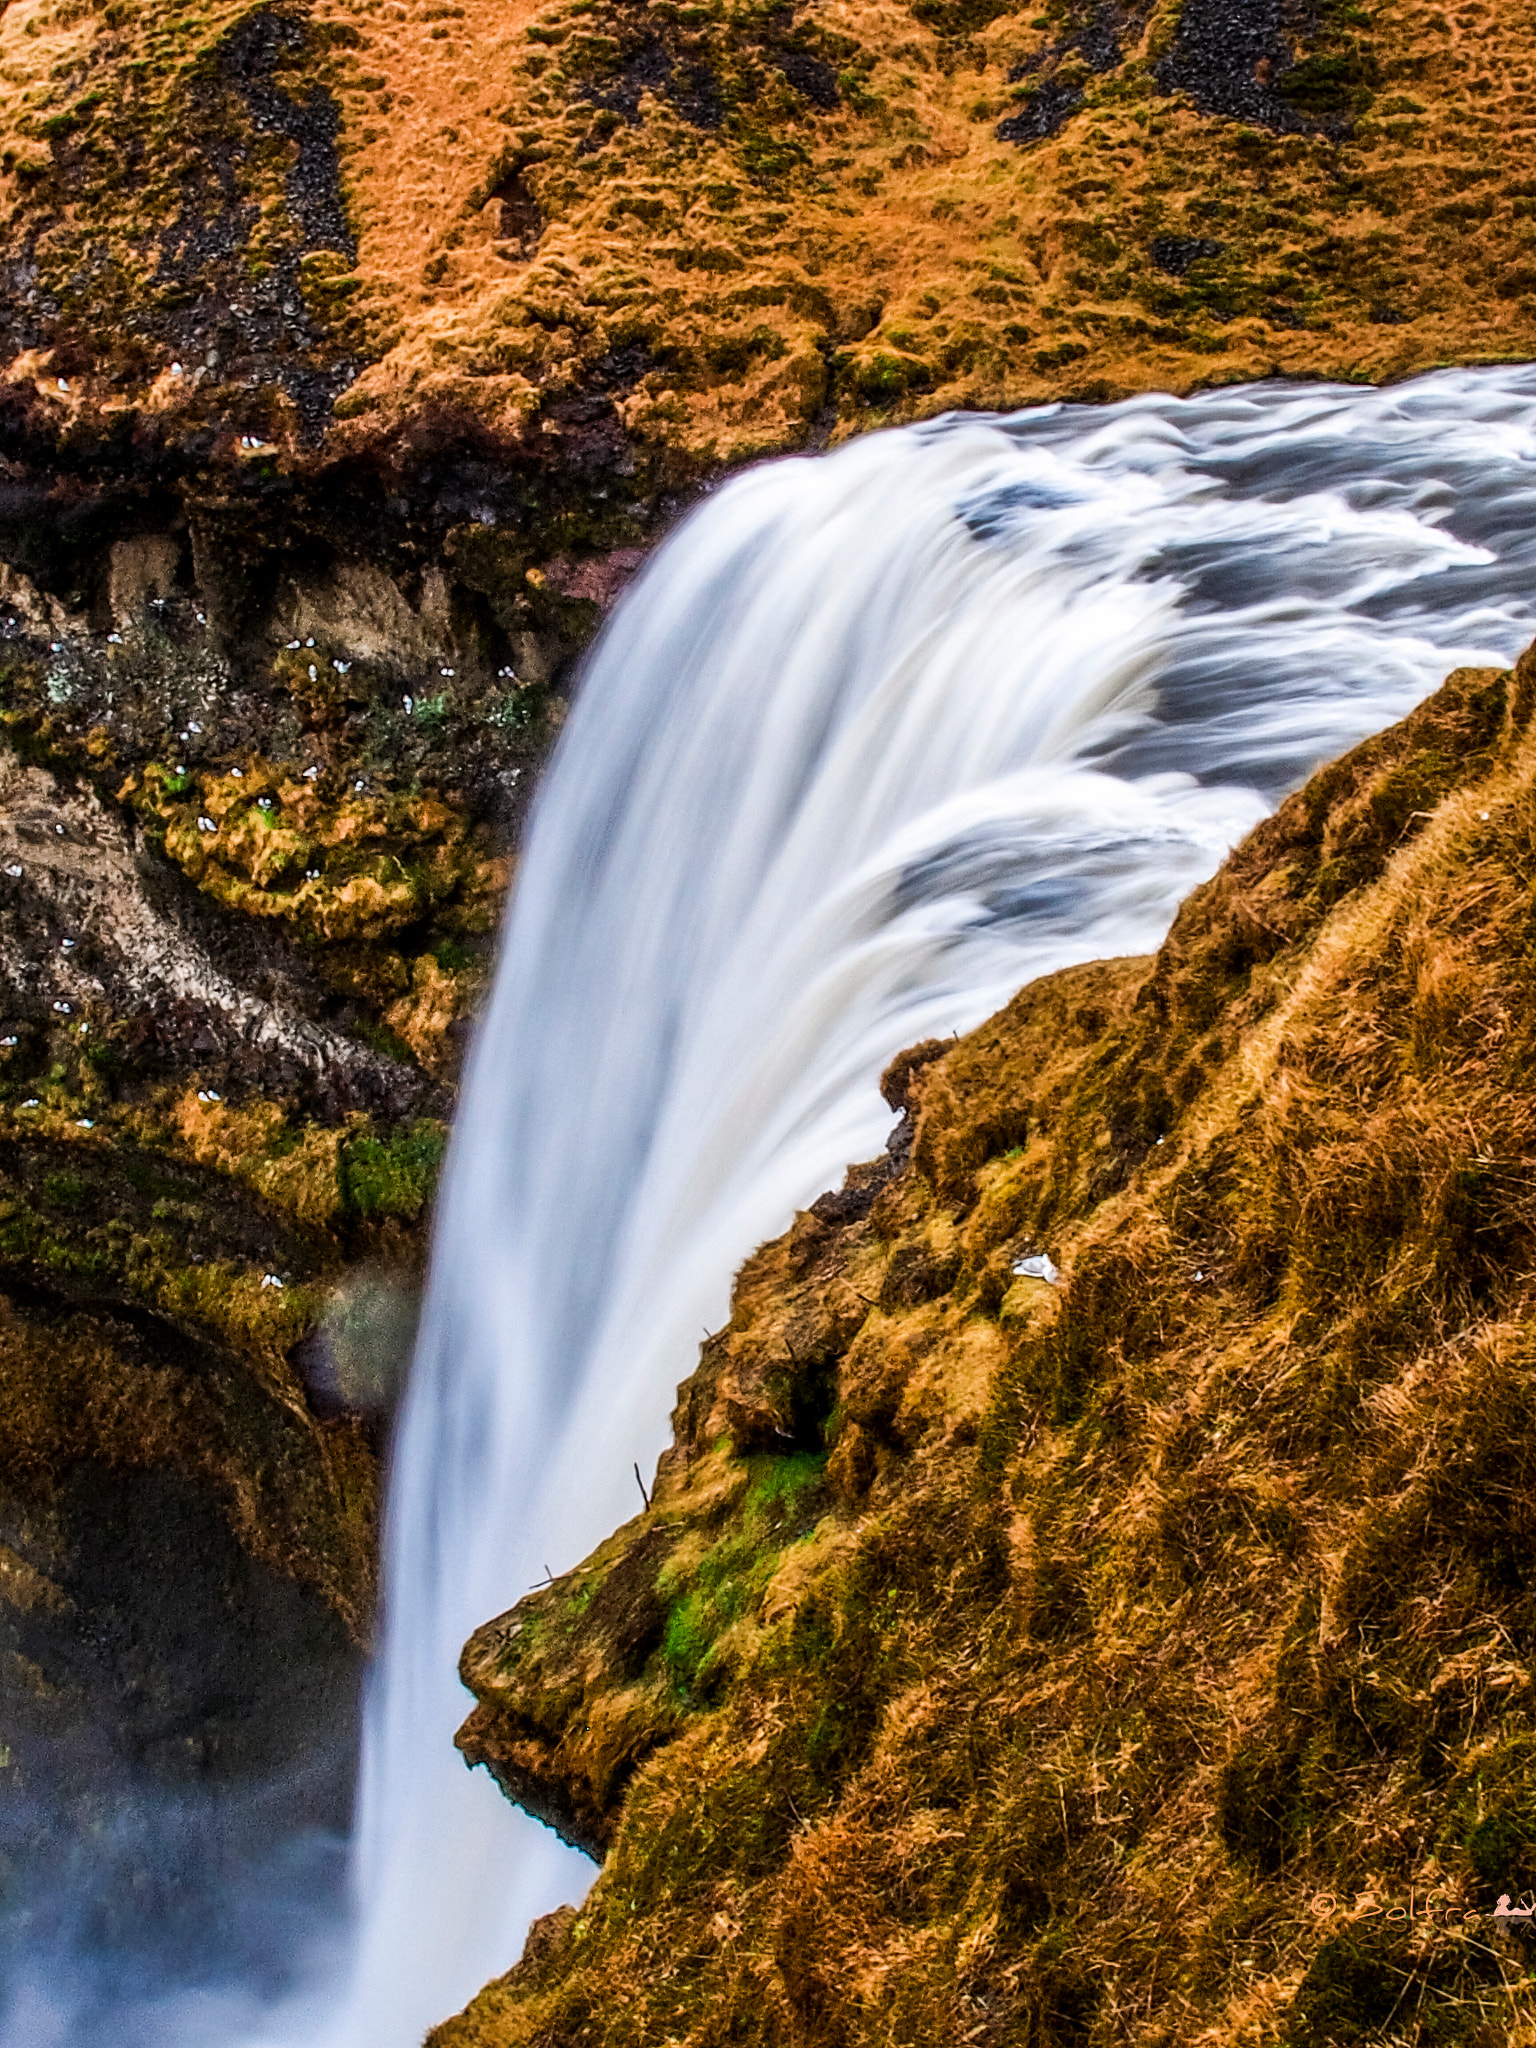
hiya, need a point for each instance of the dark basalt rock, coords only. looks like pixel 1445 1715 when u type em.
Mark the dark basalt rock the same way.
pixel 1096 42
pixel 1050 109
pixel 171 1708
pixel 686 81
pixel 1239 58
pixel 812 77
pixel 1176 254
pixel 248 58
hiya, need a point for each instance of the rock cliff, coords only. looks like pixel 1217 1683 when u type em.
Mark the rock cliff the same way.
pixel 1140 1653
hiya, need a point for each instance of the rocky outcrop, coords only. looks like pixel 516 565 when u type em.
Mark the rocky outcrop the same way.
pixel 1141 1653
pixel 249 885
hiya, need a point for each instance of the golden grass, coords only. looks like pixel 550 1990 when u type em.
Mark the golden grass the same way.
pixel 747 228
pixel 1149 1651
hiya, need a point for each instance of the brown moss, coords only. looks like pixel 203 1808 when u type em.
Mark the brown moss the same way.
pixel 1157 1643
pixel 697 238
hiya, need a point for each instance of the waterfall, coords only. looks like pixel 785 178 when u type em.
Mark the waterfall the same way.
pixel 875 738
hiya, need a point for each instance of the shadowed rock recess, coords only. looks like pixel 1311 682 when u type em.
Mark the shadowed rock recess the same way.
pixel 1145 1657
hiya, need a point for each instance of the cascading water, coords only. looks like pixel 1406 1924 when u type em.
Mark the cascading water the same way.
pixel 876 738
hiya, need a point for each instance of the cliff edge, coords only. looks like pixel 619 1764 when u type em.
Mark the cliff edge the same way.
pixel 1089 1593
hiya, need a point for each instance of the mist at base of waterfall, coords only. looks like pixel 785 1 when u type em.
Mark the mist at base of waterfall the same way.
pixel 168 1920
pixel 181 1733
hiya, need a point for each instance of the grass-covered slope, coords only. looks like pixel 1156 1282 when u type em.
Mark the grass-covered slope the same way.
pixel 1141 1658
pixel 673 235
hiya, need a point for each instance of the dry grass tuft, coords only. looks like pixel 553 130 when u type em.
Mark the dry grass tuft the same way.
pixel 1148 1660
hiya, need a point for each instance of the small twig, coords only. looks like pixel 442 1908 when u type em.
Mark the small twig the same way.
pixel 641 1484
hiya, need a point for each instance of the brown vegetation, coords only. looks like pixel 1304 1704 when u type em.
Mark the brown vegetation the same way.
pixel 685 235
pixel 1131 1659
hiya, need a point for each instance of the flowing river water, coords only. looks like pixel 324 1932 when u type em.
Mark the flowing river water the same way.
pixel 875 738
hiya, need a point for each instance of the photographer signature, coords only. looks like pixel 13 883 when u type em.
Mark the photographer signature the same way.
pixel 1443 1911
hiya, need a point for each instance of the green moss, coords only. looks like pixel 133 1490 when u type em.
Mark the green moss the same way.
pixel 769 156
pixel 21 1234
pixel 518 710
pixel 728 1582
pixel 1493 1816
pixel 692 1627
pixel 393 1176
pixel 879 376
pixel 383 1040
pixel 781 1487
pixel 67 1191
pixel 1341 75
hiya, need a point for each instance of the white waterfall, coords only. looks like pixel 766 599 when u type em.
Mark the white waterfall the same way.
pixel 875 738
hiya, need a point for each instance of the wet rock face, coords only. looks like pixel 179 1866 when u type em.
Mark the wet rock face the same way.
pixel 267 739
pixel 195 1664
pixel 258 803
pixel 338 754
pixel 187 1561
pixel 93 924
